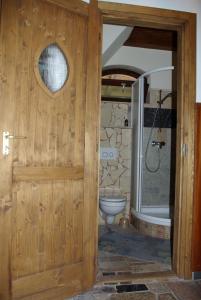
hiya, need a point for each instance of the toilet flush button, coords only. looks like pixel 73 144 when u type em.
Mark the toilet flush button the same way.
pixel 108 153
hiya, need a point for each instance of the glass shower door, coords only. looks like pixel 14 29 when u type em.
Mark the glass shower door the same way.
pixel 138 131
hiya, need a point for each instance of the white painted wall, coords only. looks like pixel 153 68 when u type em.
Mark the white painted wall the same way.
pixel 113 38
pixel 110 34
pixel 146 60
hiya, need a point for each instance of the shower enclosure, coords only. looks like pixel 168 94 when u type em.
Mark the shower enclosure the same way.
pixel 150 157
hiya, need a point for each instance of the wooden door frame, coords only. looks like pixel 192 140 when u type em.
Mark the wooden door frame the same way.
pixel 185 25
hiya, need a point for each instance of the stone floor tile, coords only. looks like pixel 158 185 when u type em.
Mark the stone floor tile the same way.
pixel 166 297
pixel 134 296
pixel 83 297
pixel 114 258
pixel 198 283
pixel 157 287
pixel 102 296
pixel 114 266
pixel 135 260
pixel 145 268
pixel 108 289
pixel 188 290
pixel 177 290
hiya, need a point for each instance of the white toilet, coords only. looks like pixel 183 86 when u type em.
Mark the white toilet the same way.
pixel 110 206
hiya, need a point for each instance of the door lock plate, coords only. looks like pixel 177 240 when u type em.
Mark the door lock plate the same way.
pixel 6 147
pixel 6 142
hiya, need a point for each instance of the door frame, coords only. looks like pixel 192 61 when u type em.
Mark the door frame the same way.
pixel 185 25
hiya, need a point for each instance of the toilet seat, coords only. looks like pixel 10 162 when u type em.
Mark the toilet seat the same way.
pixel 110 206
pixel 113 198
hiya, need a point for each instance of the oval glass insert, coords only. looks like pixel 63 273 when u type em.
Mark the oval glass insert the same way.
pixel 53 67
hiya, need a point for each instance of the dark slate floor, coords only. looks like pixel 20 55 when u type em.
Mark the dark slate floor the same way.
pixel 129 243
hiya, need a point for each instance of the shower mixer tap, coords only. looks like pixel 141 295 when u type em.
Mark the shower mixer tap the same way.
pixel 158 144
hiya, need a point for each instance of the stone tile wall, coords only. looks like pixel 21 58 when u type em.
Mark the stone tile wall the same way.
pixel 115 174
pixel 114 114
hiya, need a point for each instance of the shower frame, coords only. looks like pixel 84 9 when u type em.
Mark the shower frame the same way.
pixel 185 25
pixel 137 136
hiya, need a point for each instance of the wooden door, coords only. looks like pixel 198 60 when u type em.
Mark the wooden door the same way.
pixel 48 182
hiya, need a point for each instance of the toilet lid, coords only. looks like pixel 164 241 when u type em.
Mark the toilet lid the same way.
pixel 113 198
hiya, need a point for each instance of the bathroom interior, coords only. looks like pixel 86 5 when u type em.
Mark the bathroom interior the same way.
pixel 137 155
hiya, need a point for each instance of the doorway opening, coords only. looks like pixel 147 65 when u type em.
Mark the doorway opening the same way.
pixel 138 130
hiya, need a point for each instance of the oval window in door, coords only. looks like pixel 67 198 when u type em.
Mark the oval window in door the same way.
pixel 53 67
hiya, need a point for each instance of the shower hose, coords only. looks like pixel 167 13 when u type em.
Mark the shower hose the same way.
pixel 152 170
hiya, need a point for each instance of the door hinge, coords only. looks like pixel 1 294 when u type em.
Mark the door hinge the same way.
pixel 184 149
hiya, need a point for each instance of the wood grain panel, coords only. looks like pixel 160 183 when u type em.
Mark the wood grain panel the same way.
pixel 51 214
pixel 52 279
pixel 72 287
pixel 196 243
pixel 47 173
pixel 78 6
pixel 43 223
pixel 54 127
pixel 50 210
